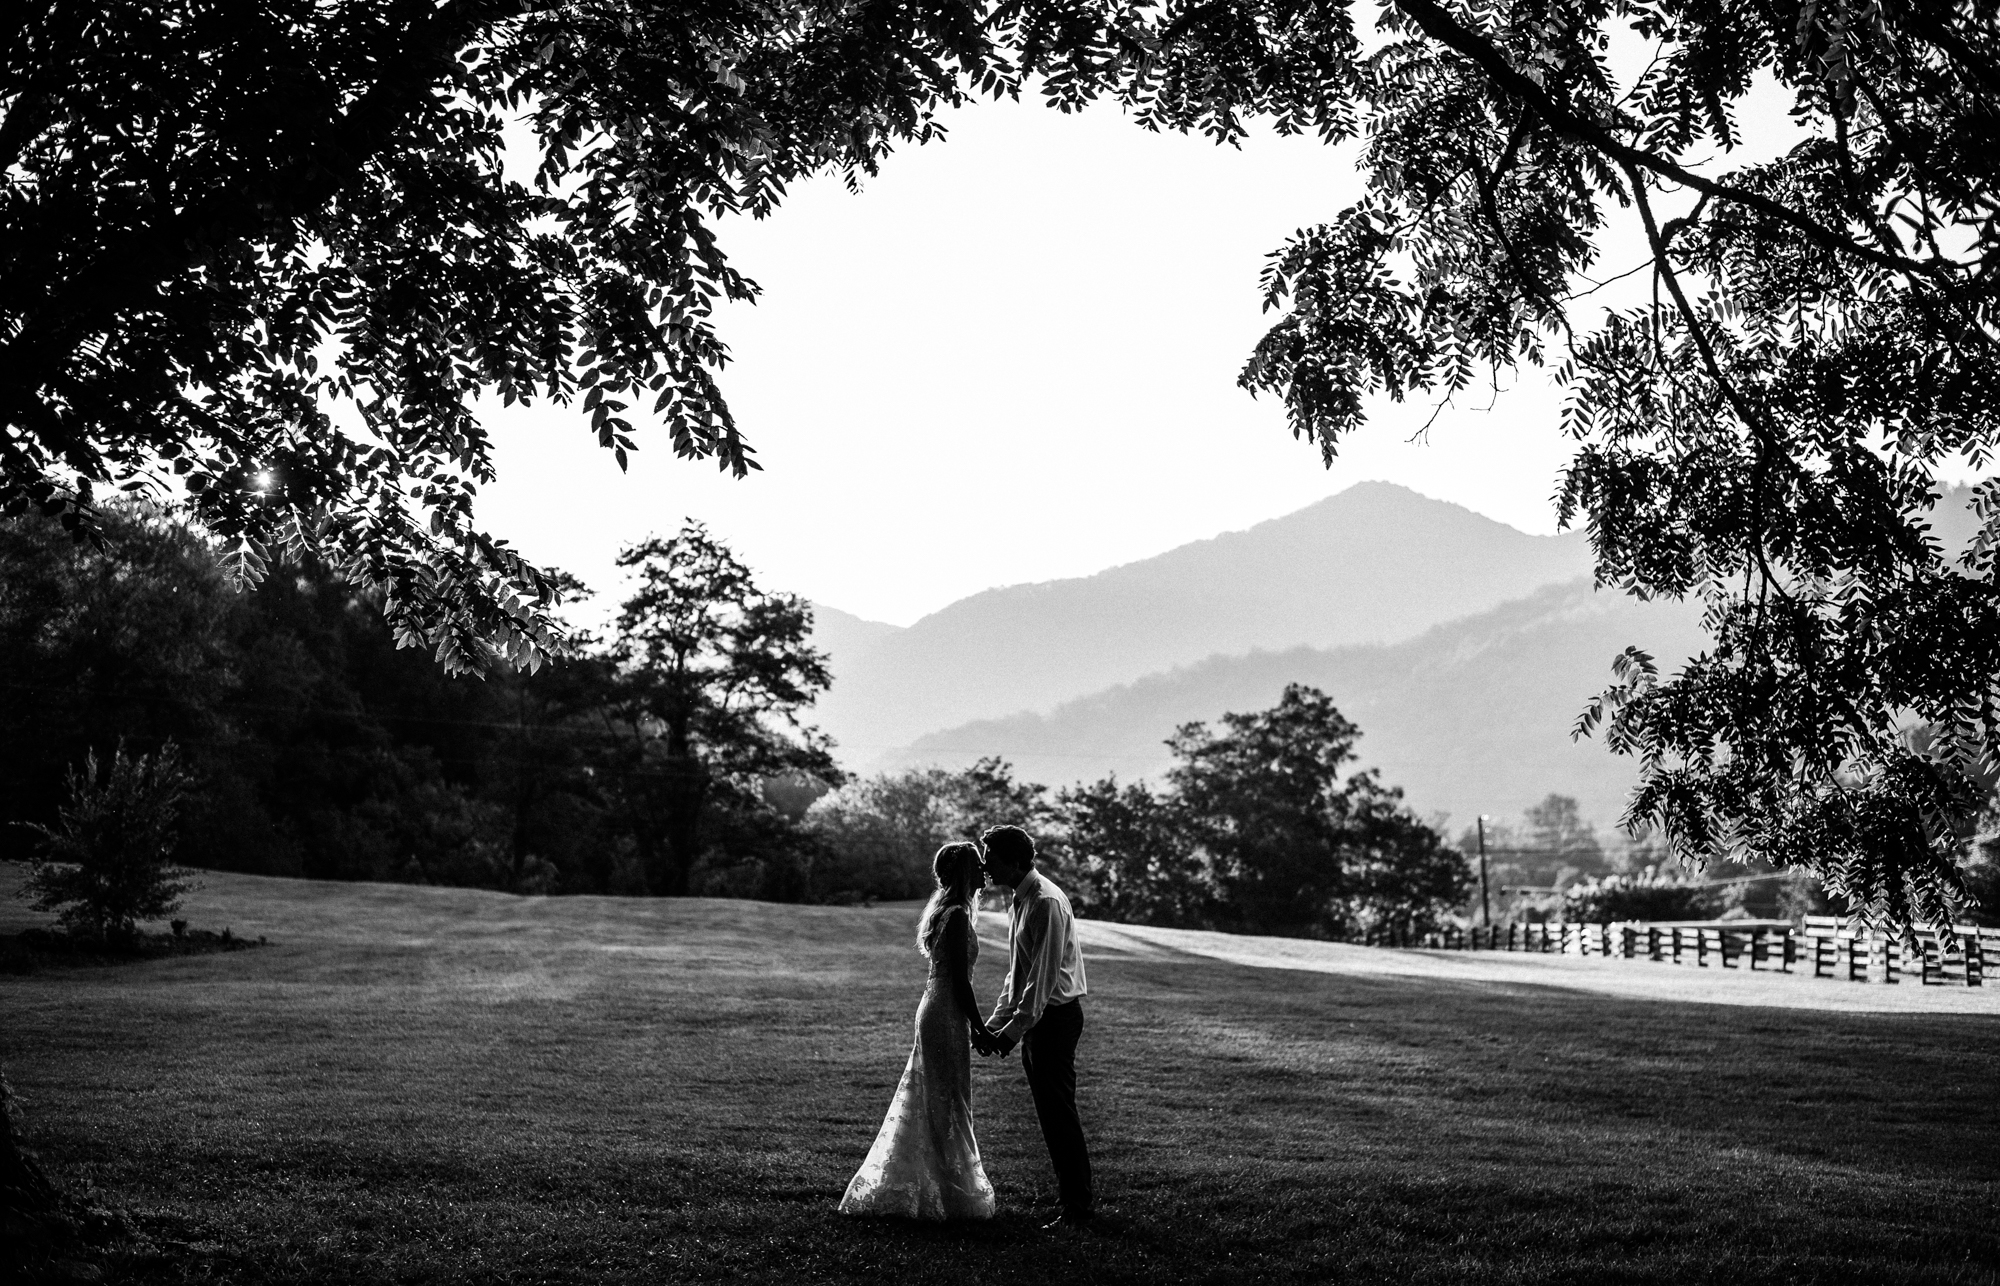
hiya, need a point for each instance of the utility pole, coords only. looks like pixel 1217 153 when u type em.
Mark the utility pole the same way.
pixel 1485 907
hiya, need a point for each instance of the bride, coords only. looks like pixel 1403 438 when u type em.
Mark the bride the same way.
pixel 925 1162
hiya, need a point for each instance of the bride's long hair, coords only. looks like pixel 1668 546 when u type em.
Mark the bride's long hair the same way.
pixel 958 879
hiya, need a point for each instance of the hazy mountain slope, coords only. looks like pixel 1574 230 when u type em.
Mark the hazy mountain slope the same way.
pixel 1470 717
pixel 1375 563
pixel 845 637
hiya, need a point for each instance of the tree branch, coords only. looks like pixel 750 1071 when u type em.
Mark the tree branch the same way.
pixel 1752 418
pixel 1442 27
pixel 126 274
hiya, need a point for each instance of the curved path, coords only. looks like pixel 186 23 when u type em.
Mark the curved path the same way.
pixel 1631 979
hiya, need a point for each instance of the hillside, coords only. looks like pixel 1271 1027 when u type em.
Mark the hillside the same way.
pixel 1374 564
pixel 1470 717
pixel 846 637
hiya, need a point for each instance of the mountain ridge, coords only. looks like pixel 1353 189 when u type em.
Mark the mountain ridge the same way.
pixel 1473 716
pixel 1372 563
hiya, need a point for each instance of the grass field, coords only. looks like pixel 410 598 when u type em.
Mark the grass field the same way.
pixel 418 1085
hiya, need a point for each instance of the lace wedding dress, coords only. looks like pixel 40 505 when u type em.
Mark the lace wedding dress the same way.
pixel 925 1162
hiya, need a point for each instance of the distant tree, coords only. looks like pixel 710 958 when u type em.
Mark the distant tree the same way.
pixel 1560 841
pixel 1646 894
pixel 107 863
pixel 1400 871
pixel 988 794
pixel 1131 856
pixel 882 832
pixel 540 766
pixel 1298 844
pixel 134 641
pixel 1980 868
pixel 752 849
pixel 346 757
pixel 712 676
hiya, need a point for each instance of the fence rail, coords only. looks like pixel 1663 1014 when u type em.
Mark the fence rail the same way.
pixel 1830 946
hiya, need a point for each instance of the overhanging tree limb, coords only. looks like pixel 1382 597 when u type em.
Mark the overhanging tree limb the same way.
pixel 125 274
pixel 1566 118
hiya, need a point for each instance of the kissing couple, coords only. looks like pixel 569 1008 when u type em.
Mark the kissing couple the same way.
pixel 925 1162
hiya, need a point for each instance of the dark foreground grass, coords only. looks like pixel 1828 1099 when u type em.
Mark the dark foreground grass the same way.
pixel 426 1085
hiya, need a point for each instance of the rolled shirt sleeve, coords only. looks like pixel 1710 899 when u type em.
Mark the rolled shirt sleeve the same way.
pixel 1044 963
pixel 1030 974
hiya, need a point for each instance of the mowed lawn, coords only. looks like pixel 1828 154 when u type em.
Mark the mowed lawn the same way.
pixel 416 1085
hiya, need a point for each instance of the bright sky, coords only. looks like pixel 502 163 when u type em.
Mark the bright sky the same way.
pixel 1011 357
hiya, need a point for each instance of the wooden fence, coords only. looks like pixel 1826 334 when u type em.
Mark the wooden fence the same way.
pixel 1829 946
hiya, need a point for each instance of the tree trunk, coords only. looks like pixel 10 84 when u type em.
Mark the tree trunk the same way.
pixel 683 791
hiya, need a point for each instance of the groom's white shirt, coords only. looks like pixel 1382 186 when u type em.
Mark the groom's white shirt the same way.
pixel 1044 965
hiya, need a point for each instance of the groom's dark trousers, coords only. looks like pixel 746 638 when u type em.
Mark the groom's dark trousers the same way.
pixel 1048 1056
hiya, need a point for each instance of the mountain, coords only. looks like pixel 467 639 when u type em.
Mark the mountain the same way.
pixel 1373 564
pixel 1470 717
pixel 845 637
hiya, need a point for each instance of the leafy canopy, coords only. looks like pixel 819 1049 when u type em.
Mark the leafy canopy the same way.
pixel 711 676
pixel 1811 343
pixel 1295 842
pixel 269 253
pixel 224 219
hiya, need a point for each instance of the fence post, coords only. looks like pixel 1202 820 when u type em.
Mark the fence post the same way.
pixel 1975 961
pixel 1652 943
pixel 1701 948
pixel 1677 943
pixel 1790 948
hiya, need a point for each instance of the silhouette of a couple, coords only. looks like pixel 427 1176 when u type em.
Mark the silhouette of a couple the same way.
pixel 925 1161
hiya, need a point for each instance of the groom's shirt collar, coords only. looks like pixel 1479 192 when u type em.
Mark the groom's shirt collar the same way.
pixel 1026 888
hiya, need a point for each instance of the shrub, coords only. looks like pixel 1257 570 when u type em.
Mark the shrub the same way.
pixel 1980 869
pixel 106 863
pixel 878 835
pixel 1648 894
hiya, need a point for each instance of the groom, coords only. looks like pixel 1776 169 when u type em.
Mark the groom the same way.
pixel 1041 1008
